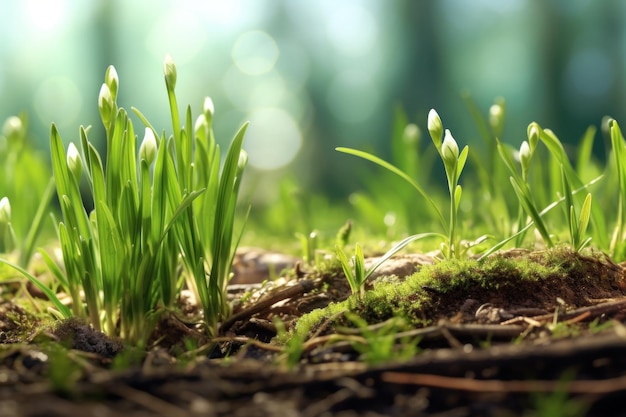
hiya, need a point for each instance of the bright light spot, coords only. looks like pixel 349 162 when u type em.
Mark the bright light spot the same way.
pixel 58 100
pixel 179 33
pixel 353 97
pixel 352 29
pixel 390 219
pixel 589 73
pixel 229 16
pixel 45 15
pixel 255 52
pixel 273 138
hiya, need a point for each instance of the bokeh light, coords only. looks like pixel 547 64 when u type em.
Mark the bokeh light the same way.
pixel 273 138
pixel 315 75
pixel 255 52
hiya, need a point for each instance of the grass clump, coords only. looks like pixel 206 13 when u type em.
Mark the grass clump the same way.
pixel 157 207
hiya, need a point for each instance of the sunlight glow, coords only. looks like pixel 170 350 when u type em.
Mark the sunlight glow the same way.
pixel 58 99
pixel 255 52
pixel 45 15
pixel 273 138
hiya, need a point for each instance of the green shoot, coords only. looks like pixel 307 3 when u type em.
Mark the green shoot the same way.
pixel 618 247
pixel 453 163
pixel 354 268
pixel 577 224
pixel 379 346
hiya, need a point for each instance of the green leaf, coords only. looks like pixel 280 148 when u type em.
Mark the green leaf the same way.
pixel 461 162
pixel 65 312
pixel 399 246
pixel 458 191
pixel 359 266
pixel 585 214
pixel 529 206
pixel 399 173
pixel 347 269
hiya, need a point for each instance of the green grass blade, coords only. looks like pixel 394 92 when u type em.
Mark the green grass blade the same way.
pixel 65 312
pixel 399 246
pixel 526 201
pixel 347 269
pixel 398 172
pixel 585 151
pixel 28 245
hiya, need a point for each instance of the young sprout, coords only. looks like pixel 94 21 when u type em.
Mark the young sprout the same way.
pixel 453 163
pixel 354 268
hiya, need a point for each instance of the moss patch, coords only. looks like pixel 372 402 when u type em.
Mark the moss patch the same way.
pixel 516 279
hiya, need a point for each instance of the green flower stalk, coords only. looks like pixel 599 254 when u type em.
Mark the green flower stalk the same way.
pixel 453 163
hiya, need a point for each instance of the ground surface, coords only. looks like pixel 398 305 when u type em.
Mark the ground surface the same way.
pixel 549 347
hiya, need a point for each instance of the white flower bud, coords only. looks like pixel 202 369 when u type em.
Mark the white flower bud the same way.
pixel 411 134
pixel 533 135
pixel 13 128
pixel 5 211
pixel 435 127
pixel 449 148
pixel 74 161
pixel 148 147
pixel 169 70
pixel 525 155
pixel 496 114
pixel 105 105
pixel 112 81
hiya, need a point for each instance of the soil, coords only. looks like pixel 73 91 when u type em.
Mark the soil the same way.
pixel 502 346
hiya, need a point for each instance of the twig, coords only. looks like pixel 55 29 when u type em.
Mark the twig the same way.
pixel 592 311
pixel 299 288
pixel 605 386
pixel 148 401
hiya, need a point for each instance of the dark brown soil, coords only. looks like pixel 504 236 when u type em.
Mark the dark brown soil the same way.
pixel 489 350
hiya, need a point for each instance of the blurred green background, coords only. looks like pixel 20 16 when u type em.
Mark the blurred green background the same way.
pixel 313 75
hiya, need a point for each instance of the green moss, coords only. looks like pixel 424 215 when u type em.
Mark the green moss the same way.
pixel 439 290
